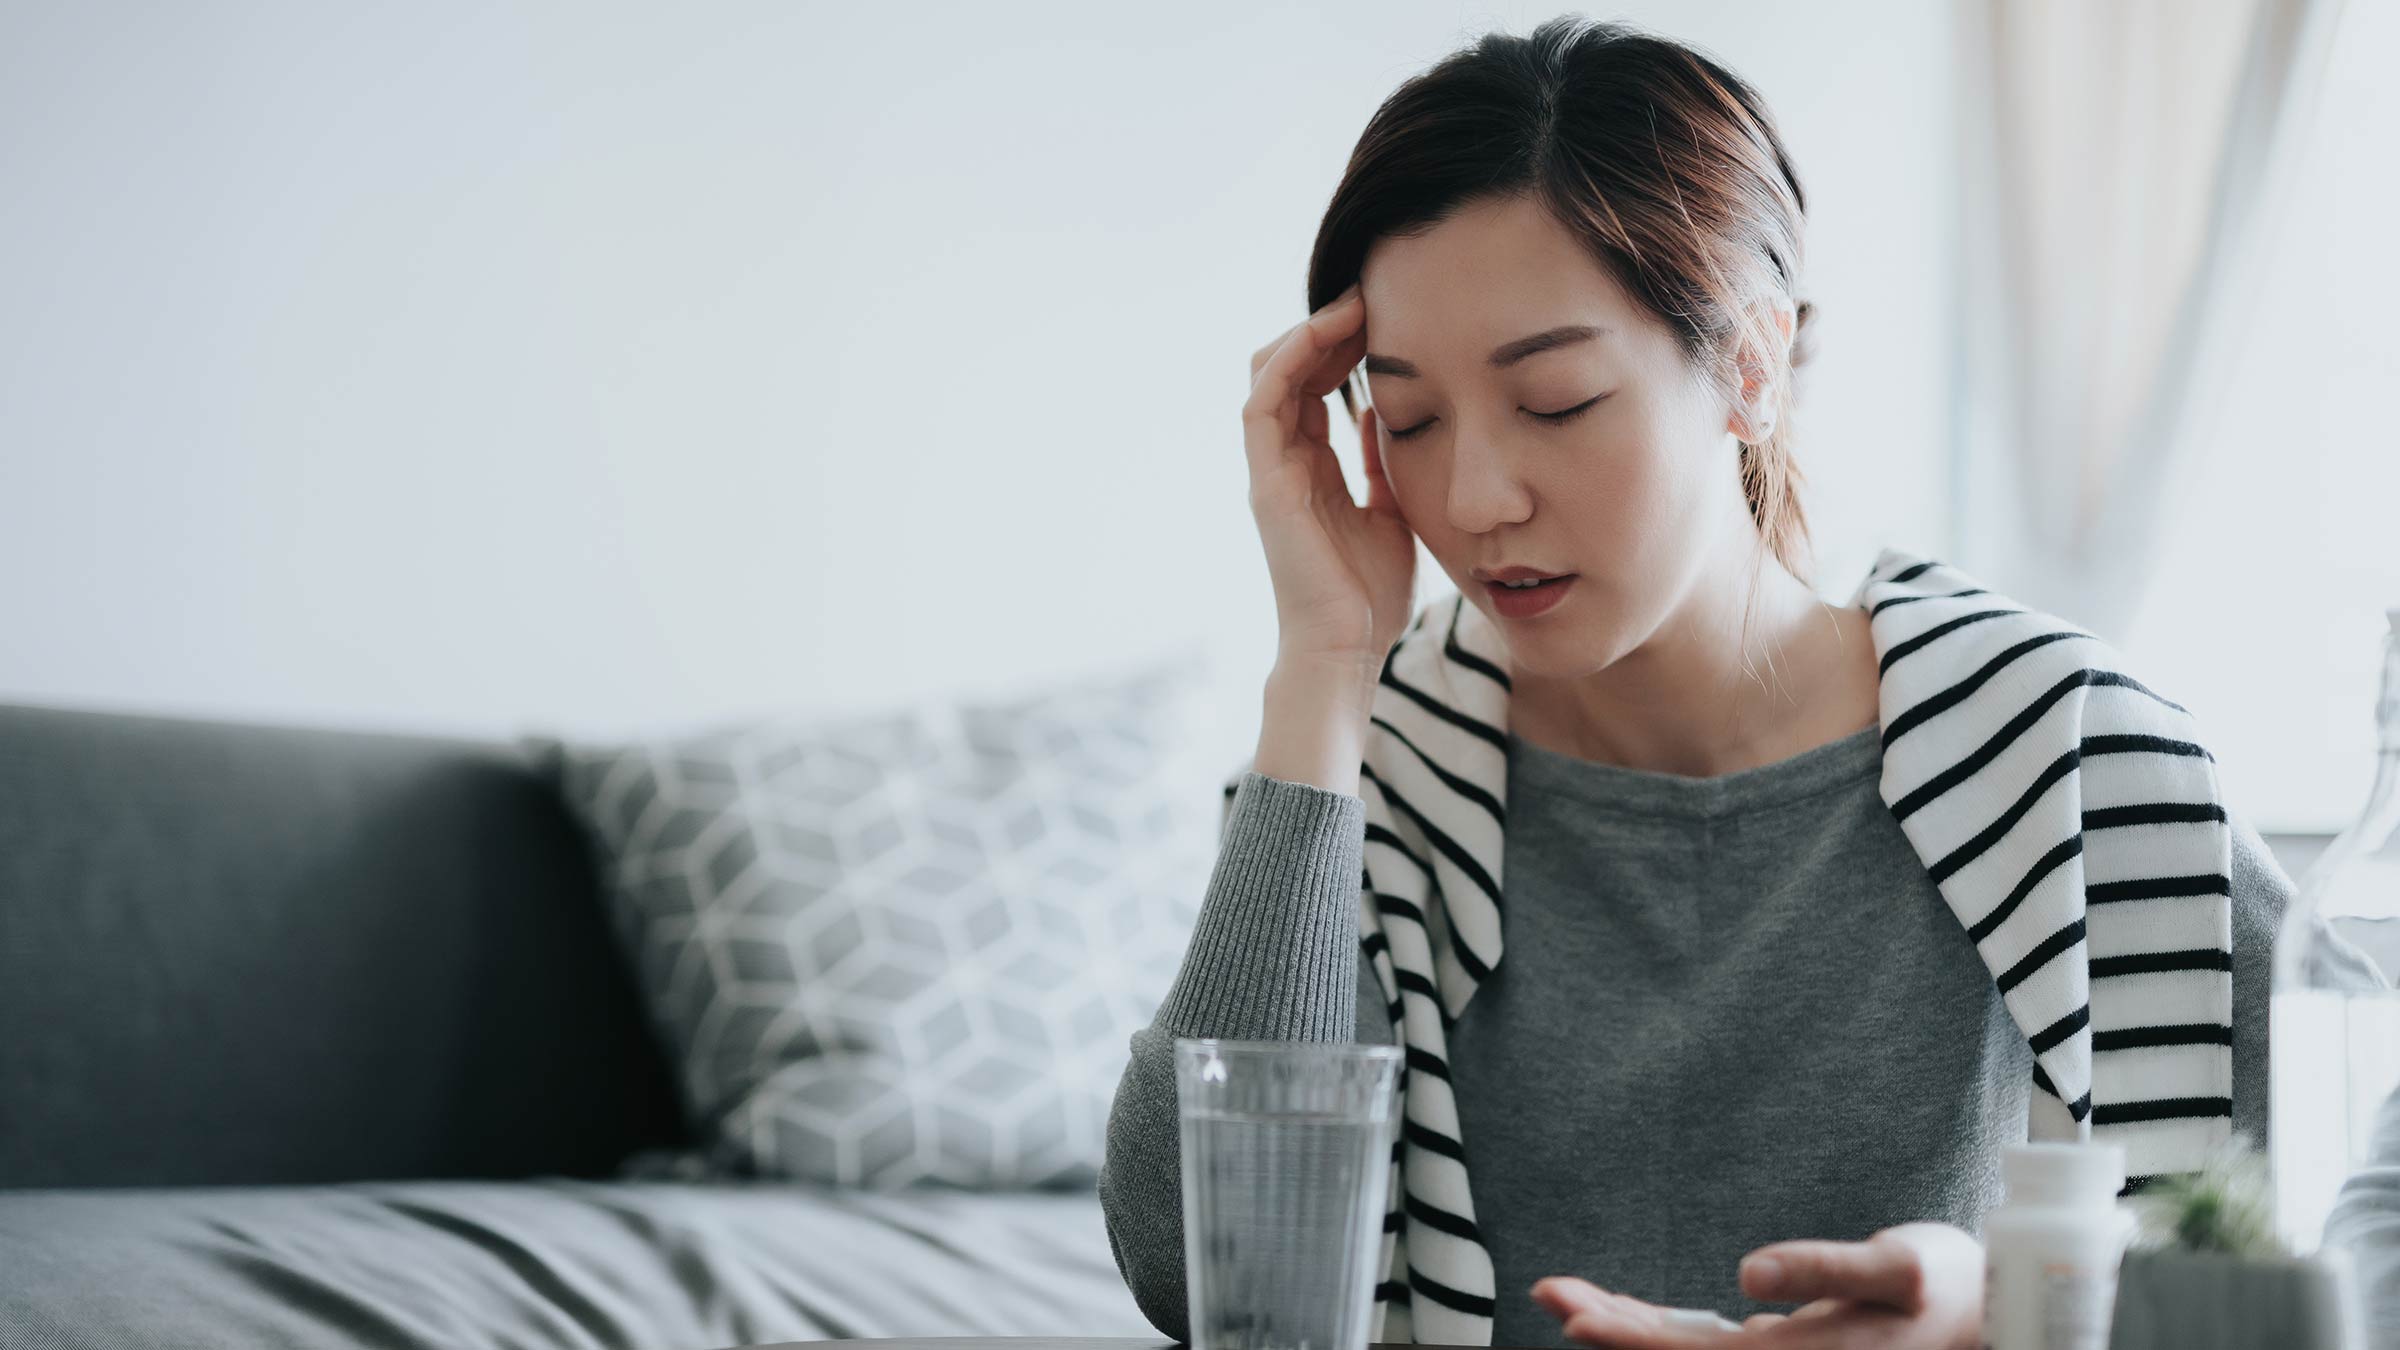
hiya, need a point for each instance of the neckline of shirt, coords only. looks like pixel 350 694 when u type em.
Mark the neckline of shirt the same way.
pixel 1820 768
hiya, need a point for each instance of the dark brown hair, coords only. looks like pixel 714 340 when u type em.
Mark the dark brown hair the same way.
pixel 1663 163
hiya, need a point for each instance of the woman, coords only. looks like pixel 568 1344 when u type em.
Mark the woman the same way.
pixel 1738 1005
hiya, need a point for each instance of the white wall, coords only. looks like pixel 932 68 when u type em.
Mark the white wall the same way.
pixel 600 367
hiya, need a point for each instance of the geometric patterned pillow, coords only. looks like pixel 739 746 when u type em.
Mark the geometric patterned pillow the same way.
pixel 910 947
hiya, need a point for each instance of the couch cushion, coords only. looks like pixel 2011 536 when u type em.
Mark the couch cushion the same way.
pixel 913 946
pixel 235 954
pixel 661 1265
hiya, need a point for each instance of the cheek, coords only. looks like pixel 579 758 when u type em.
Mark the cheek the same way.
pixel 1636 509
pixel 1417 486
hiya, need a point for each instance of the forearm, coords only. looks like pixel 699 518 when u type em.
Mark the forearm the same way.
pixel 1273 955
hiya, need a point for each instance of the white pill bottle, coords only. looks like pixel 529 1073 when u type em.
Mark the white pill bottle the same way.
pixel 2051 1248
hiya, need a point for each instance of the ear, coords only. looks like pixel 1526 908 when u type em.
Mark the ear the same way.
pixel 1752 416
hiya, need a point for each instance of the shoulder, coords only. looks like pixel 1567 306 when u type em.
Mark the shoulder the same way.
pixel 1930 618
pixel 1947 640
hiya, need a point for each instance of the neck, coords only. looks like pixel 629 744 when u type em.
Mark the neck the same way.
pixel 1700 697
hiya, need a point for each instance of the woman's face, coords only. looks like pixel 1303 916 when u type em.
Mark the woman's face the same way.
pixel 1633 494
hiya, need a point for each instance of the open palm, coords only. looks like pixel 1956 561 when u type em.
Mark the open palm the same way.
pixel 1915 1287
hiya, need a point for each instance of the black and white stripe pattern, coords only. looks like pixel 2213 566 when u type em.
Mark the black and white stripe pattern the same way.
pixel 2074 822
pixel 2067 813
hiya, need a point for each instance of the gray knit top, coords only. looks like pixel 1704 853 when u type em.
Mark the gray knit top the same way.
pixel 1735 1010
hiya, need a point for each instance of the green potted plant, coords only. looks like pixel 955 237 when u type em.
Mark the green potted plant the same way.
pixel 2206 1270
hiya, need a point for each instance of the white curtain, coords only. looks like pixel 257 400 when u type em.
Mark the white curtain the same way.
pixel 2121 168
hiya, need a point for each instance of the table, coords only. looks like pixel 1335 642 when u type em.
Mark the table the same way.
pixel 1030 1343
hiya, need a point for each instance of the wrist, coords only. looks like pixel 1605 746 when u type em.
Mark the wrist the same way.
pixel 1344 681
pixel 1314 726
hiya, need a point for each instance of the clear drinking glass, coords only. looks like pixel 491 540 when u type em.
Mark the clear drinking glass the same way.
pixel 1287 1151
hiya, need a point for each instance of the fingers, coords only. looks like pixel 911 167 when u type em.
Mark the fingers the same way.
pixel 1330 309
pixel 1379 488
pixel 1917 1284
pixel 1315 426
pixel 1334 313
pixel 1308 364
pixel 1644 1326
pixel 1880 1270
pixel 1562 1296
pixel 1344 349
pixel 1951 1262
pixel 1595 1316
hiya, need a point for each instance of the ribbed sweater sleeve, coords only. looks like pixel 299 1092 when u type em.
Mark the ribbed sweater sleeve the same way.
pixel 1274 955
pixel 2262 891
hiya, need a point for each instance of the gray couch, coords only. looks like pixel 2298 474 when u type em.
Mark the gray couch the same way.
pixel 319 1038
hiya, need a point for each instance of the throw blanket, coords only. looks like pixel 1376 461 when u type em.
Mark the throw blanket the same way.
pixel 2068 815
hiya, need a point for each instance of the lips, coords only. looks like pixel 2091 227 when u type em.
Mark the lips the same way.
pixel 1524 602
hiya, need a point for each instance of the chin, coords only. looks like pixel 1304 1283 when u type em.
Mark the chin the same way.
pixel 1563 652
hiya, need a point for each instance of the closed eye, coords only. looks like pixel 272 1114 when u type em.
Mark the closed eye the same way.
pixel 1553 418
pixel 1569 414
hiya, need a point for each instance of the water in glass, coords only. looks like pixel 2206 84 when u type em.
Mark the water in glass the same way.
pixel 1287 1159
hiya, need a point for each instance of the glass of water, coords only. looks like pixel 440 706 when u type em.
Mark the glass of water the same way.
pixel 1287 1151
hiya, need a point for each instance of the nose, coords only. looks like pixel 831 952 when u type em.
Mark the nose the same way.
pixel 1484 490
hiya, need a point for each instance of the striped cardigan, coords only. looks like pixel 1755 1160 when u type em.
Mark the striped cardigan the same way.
pixel 2067 814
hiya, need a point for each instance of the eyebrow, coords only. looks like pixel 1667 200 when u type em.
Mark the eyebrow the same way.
pixel 1503 356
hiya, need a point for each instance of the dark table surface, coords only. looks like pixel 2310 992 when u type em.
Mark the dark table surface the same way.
pixel 989 1343
pixel 1021 1343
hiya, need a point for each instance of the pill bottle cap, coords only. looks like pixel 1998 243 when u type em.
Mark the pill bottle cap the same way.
pixel 2062 1173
